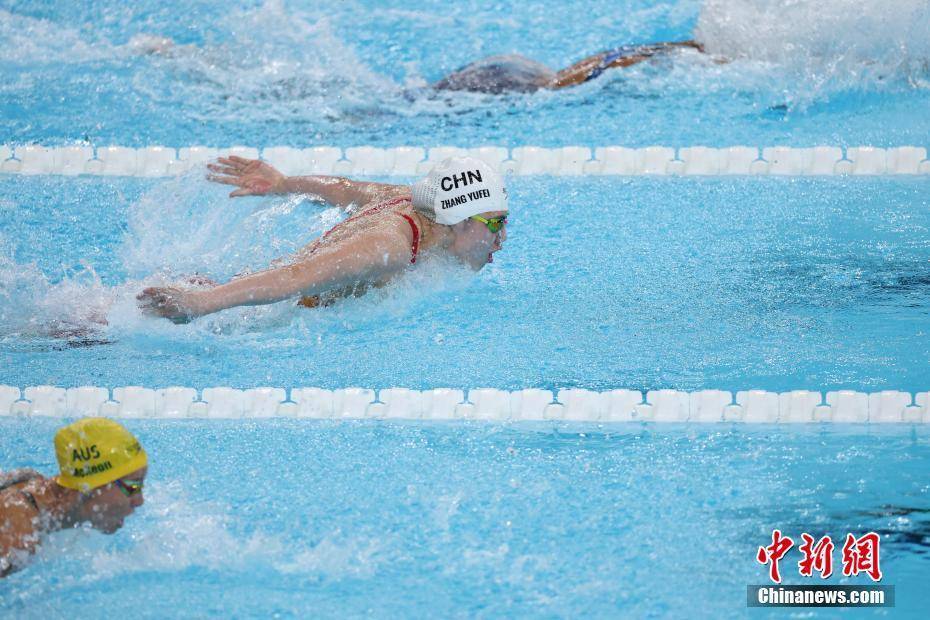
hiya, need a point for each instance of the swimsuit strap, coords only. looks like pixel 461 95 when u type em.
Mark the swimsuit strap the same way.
pixel 415 245
pixel 29 496
pixel 609 57
pixel 380 206
pixel 32 500
pixel 371 211
pixel 314 301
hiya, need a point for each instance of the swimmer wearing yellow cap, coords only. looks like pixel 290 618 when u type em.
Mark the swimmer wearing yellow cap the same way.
pixel 102 470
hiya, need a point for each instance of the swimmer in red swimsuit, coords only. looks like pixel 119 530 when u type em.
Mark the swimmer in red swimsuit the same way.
pixel 459 209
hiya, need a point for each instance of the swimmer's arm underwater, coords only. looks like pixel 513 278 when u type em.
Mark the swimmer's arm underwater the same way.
pixel 592 66
pixel 256 178
pixel 368 258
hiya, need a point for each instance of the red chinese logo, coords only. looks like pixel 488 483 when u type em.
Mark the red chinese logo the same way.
pixel 860 555
pixel 817 557
pixel 773 553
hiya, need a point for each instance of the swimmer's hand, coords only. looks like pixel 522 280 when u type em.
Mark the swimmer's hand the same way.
pixel 254 177
pixel 172 303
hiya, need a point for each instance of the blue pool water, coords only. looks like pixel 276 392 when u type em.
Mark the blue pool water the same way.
pixel 352 73
pixel 642 283
pixel 290 517
pixel 603 283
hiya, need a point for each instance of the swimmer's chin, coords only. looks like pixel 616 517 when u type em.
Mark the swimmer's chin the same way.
pixel 478 262
pixel 109 529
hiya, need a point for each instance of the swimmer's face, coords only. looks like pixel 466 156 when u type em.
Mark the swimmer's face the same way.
pixel 474 244
pixel 108 506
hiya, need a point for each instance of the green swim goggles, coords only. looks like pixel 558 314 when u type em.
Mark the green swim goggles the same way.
pixel 129 487
pixel 494 224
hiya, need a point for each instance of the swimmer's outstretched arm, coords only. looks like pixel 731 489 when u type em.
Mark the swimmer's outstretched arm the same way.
pixel 582 70
pixel 256 178
pixel 367 258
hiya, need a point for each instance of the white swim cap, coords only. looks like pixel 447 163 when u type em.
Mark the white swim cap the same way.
pixel 458 188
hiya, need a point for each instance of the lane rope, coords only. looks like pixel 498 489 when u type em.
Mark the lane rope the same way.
pixel 161 161
pixel 704 406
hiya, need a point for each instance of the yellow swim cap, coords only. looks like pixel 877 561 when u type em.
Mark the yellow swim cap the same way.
pixel 94 451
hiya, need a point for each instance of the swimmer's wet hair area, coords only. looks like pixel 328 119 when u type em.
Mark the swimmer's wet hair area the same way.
pixel 161 161
pixel 573 405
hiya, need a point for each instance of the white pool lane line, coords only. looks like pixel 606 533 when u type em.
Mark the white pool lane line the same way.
pixel 159 161
pixel 705 406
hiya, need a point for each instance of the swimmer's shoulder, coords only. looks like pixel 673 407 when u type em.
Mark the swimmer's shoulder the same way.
pixel 19 536
pixel 21 495
pixel 17 476
pixel 394 196
pixel 389 194
pixel 20 524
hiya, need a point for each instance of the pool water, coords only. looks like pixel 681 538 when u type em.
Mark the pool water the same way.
pixel 352 73
pixel 603 283
pixel 288 517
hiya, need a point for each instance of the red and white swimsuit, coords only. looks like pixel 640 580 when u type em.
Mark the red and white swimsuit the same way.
pixel 415 244
pixel 314 301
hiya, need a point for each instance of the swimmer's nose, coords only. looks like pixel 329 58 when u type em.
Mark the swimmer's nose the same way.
pixel 137 500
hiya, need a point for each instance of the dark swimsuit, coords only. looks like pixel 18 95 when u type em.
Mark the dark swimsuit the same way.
pixel 313 301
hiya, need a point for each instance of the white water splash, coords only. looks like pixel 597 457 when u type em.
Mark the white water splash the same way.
pixel 278 65
pixel 172 533
pixel 812 47
pixel 30 40
pixel 187 228
pixel 31 305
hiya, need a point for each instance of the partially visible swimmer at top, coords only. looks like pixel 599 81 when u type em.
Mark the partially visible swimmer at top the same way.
pixel 458 210
pixel 102 471
pixel 516 73
pixel 499 74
